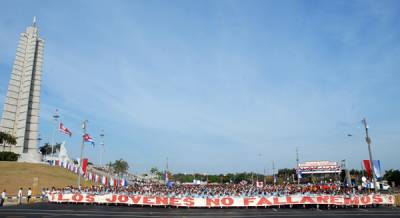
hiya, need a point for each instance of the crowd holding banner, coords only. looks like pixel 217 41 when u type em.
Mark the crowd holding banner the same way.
pixel 146 193
pixel 358 200
pixel 113 190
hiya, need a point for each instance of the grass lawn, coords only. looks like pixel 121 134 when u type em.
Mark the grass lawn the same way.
pixel 14 175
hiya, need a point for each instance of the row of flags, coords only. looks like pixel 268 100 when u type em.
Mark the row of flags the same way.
pixel 94 177
pixel 66 131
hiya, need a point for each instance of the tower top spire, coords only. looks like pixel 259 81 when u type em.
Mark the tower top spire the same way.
pixel 34 21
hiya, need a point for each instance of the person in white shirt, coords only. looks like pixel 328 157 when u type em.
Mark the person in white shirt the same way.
pixel 19 196
pixel 29 195
pixel 3 197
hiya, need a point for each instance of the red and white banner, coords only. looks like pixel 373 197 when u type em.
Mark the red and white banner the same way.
pixel 222 202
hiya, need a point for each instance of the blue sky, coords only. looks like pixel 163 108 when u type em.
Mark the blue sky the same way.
pixel 217 86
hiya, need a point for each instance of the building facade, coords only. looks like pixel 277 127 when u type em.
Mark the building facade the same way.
pixel 22 104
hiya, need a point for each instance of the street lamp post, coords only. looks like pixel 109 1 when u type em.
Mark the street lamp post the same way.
pixel 102 146
pixel 273 172
pixel 297 166
pixel 368 140
pixel 82 146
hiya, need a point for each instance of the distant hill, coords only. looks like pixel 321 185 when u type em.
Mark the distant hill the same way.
pixel 14 175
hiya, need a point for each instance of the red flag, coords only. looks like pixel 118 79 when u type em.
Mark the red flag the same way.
pixel 367 166
pixel 64 130
pixel 84 165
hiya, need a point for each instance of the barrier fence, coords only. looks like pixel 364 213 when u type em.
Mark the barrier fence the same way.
pixel 358 200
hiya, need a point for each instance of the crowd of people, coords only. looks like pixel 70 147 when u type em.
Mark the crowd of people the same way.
pixel 177 190
pixel 217 190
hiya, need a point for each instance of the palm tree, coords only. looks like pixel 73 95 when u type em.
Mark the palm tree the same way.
pixel 45 149
pixel 6 138
pixel 120 166
pixel 154 170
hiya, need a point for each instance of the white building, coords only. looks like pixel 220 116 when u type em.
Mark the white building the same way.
pixel 22 103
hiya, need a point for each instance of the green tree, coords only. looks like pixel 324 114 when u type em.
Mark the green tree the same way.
pixel 6 138
pixel 8 156
pixel 120 166
pixel 154 170
pixel 392 176
pixel 46 149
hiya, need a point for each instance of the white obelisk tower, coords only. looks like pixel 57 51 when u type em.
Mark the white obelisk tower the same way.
pixel 22 103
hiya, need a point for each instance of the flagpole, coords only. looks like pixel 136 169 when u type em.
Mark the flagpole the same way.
pixel 55 116
pixel 102 146
pixel 368 140
pixel 82 146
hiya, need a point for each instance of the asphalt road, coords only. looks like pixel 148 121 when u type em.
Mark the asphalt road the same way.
pixel 73 210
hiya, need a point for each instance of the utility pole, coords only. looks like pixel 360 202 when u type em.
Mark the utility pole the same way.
pixel 265 178
pixel 347 173
pixel 297 166
pixel 102 146
pixel 166 164
pixel 273 171
pixel 82 146
pixel 166 171
pixel 368 140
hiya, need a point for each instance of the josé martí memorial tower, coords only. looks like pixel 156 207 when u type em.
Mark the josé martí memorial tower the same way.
pixel 22 104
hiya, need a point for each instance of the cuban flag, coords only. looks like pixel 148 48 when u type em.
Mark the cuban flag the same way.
pixel 122 182
pixel 64 130
pixel 88 138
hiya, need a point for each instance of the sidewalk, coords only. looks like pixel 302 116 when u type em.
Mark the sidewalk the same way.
pixel 12 201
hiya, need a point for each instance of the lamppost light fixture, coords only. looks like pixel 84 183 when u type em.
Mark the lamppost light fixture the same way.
pixel 56 116
pixel 84 124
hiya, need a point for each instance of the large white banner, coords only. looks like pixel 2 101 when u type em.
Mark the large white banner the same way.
pixel 223 201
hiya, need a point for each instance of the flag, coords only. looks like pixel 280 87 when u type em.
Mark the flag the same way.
pixel 367 165
pixel 259 184
pixel 122 182
pixel 377 168
pixel 88 138
pixel 84 165
pixel 104 180
pixel 64 130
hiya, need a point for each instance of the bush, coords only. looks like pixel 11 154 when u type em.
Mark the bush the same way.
pixel 8 156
